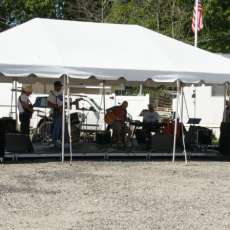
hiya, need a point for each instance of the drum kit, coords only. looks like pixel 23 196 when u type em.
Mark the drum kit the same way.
pixel 136 134
pixel 43 132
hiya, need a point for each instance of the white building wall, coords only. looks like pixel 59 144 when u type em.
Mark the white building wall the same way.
pixel 5 99
pixel 208 107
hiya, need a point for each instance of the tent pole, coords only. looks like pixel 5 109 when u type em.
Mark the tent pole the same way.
pixel 16 102
pixel 225 93
pixel 196 23
pixel 12 100
pixel 194 102
pixel 175 122
pixel 182 124
pixel 69 121
pixel 63 120
pixel 104 102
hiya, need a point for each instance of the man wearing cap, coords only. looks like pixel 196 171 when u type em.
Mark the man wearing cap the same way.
pixel 25 109
pixel 55 102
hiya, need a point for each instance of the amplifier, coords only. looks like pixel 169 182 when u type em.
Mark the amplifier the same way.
pixel 224 142
pixel 2 144
pixel 198 135
pixel 8 124
pixel 18 143
pixel 103 137
pixel 162 143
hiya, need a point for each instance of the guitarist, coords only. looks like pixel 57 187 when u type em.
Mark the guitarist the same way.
pixel 25 108
pixel 118 124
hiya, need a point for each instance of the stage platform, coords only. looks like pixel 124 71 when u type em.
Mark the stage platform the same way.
pixel 107 152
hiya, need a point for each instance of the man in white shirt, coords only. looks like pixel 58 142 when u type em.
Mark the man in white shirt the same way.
pixel 151 121
pixel 25 109
pixel 55 102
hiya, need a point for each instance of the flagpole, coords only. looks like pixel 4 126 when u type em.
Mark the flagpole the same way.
pixel 196 24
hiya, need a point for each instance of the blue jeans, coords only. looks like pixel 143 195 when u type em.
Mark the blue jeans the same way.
pixel 57 127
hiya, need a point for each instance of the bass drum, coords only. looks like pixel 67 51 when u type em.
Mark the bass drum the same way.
pixel 45 131
pixel 74 118
pixel 45 126
pixel 76 122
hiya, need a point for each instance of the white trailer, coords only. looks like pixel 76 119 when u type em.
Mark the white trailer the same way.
pixel 205 102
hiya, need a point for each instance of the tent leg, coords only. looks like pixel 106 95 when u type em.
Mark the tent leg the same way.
pixel 104 101
pixel 176 121
pixel 182 127
pixel 225 94
pixel 16 102
pixel 63 121
pixel 69 122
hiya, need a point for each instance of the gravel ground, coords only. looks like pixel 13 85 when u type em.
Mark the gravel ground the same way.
pixel 115 195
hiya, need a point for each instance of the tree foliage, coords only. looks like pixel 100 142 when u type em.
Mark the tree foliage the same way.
pixel 173 18
pixel 18 11
pixel 82 10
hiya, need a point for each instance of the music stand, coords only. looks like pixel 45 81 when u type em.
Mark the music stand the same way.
pixel 194 121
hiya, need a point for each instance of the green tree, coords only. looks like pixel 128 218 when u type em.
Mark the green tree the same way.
pixel 173 18
pixel 18 11
pixel 87 10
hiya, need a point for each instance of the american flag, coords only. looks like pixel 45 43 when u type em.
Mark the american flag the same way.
pixel 200 24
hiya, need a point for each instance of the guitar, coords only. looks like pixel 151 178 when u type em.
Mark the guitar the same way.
pixel 109 117
pixel 29 110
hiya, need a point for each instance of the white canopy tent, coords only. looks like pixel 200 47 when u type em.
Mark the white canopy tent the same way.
pixel 42 50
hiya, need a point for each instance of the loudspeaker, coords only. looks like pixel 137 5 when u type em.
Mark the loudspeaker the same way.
pixel 103 137
pixel 224 142
pixel 162 143
pixel 18 143
pixel 9 124
pixel 2 144
pixel 198 135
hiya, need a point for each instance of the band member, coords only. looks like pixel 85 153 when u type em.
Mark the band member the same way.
pixel 55 102
pixel 150 115
pixel 226 115
pixel 151 121
pixel 25 109
pixel 118 125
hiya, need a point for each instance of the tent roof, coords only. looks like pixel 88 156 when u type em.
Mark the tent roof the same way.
pixel 48 48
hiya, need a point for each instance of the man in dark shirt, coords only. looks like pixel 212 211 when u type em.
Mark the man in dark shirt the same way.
pixel 118 125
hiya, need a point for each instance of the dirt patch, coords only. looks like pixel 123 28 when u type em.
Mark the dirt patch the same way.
pixel 115 195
